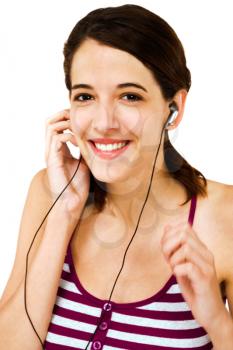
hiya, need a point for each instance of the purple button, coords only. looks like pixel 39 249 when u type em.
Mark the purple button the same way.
pixel 103 326
pixel 97 345
pixel 107 306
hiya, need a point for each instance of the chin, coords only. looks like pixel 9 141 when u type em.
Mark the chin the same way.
pixel 111 175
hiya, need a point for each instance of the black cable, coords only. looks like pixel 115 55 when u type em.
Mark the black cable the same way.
pixel 25 281
pixel 100 319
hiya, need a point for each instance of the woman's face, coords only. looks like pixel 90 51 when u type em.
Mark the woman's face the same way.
pixel 108 110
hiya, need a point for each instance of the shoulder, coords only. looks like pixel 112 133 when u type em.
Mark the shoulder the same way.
pixel 214 224
pixel 220 203
pixel 217 207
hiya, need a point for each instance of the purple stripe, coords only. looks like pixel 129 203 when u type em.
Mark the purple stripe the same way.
pixel 68 332
pixel 50 346
pixel 167 333
pixel 73 315
pixel 76 297
pixel 158 332
pixel 170 334
pixel 154 314
pixel 160 315
pixel 192 209
pixel 182 316
pixel 136 346
pixel 66 276
pixel 130 309
pixel 127 346
pixel 166 297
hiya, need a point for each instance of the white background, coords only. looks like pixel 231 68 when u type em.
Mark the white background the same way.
pixel 32 88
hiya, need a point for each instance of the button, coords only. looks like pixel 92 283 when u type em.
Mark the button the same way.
pixel 107 306
pixel 97 345
pixel 103 326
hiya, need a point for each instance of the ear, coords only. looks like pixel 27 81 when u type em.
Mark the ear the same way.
pixel 180 99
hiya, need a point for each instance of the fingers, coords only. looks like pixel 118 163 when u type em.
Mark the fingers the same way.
pixel 186 253
pixel 53 129
pixel 188 269
pixel 59 139
pixel 178 235
pixel 56 125
pixel 62 115
pixel 183 238
pixel 59 121
pixel 180 245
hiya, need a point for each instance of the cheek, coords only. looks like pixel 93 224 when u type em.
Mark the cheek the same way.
pixel 129 117
pixel 80 121
pixel 151 131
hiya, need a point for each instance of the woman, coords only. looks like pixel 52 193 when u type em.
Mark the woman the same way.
pixel 120 262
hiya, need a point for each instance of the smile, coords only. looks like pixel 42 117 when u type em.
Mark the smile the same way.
pixel 109 151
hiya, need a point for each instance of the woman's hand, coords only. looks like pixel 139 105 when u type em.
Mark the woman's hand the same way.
pixel 61 165
pixel 193 265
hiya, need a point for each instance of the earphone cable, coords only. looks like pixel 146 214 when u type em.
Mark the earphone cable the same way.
pixel 100 319
pixel 25 281
pixel 26 270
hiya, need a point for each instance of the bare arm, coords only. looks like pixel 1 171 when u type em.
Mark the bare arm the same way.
pixel 42 283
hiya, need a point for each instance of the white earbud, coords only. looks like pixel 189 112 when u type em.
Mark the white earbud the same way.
pixel 172 116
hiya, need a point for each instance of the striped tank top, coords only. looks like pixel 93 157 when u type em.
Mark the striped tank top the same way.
pixel 163 321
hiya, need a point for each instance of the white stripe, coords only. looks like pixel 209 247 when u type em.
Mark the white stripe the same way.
pixel 78 307
pixel 172 307
pixel 72 324
pixel 150 322
pixel 174 289
pixel 151 340
pixel 66 267
pixel 69 286
pixel 62 340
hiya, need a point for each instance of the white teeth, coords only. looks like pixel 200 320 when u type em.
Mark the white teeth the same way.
pixel 110 147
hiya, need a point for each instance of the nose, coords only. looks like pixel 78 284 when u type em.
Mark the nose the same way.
pixel 105 118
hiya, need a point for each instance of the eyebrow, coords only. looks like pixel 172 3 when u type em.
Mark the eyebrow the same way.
pixel 119 86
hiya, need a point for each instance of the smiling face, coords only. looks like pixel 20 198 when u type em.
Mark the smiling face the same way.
pixel 110 109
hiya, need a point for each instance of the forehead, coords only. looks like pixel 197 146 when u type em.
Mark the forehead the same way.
pixel 93 61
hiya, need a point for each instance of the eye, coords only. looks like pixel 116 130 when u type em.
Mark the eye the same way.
pixel 76 98
pixel 135 97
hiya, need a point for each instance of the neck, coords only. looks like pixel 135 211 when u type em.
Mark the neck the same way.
pixel 125 199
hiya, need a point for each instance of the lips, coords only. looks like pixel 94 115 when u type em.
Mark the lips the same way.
pixel 107 140
pixel 109 143
pixel 108 154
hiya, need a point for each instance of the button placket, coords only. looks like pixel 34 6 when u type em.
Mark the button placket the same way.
pixel 103 325
pixel 102 330
pixel 107 306
pixel 97 345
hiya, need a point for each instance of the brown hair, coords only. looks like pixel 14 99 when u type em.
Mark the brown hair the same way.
pixel 156 45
